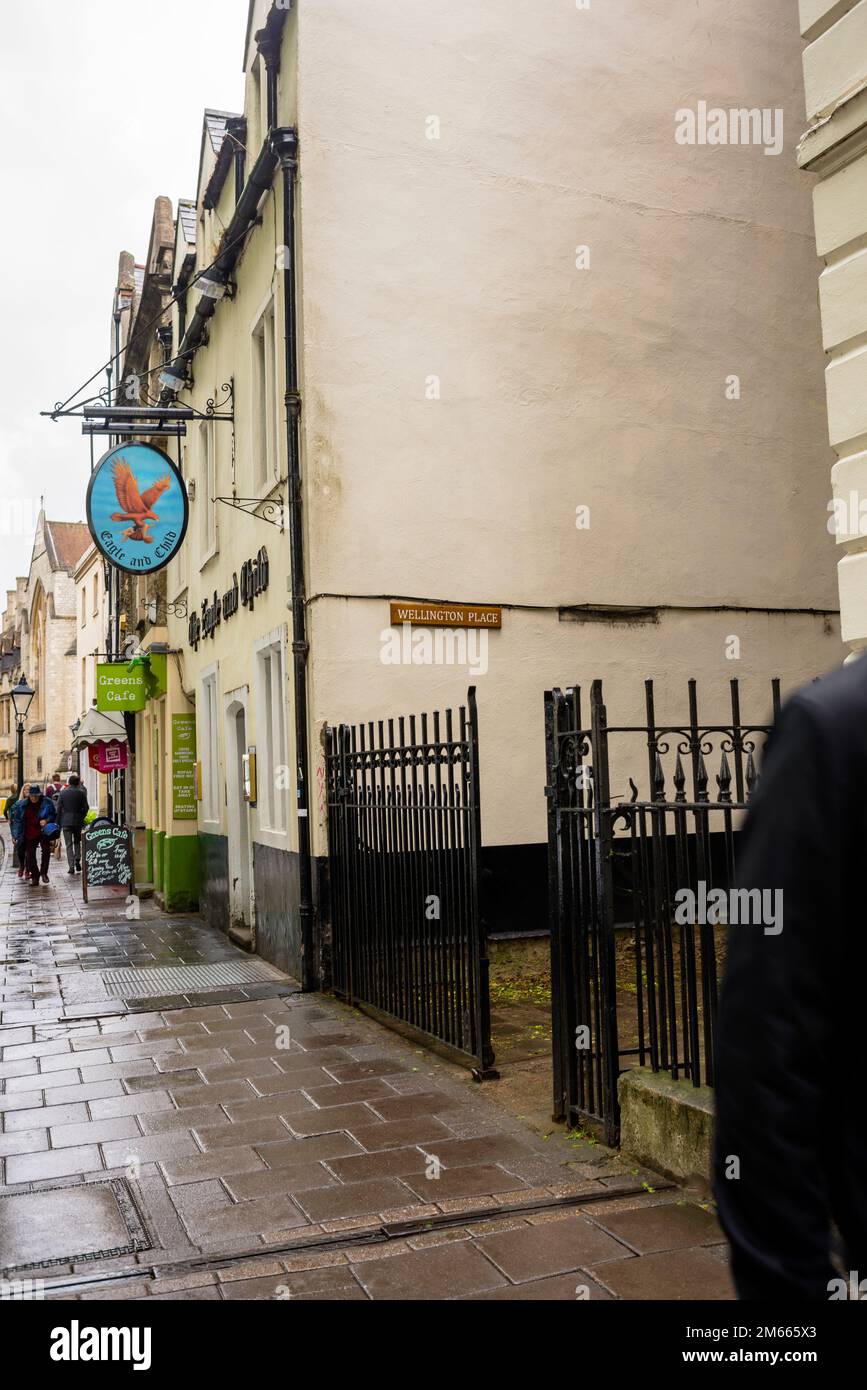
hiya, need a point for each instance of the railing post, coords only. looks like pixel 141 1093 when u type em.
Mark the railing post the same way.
pixel 562 986
pixel 479 928
pixel 604 924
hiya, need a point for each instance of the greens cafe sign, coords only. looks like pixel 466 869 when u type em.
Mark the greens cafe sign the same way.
pixel 128 685
pixel 137 508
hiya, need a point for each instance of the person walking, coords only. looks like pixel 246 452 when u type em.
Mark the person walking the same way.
pixel 52 791
pixel 29 819
pixel 790 1149
pixel 17 849
pixel 72 808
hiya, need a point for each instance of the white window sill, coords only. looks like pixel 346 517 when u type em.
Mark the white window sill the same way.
pixel 274 839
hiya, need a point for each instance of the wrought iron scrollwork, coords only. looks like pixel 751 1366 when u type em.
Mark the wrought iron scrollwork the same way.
pixel 212 405
pixel 662 843
pixel 269 509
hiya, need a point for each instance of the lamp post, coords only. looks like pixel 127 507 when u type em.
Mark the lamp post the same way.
pixel 22 696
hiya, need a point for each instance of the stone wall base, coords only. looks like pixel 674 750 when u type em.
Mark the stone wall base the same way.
pixel 667 1125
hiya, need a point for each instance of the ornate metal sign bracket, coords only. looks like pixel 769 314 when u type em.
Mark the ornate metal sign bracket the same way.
pixel 271 508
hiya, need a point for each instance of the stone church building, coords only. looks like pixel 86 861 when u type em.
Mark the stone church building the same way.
pixel 48 644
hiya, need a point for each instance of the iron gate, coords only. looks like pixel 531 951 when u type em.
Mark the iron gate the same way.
pixel 404 838
pixel 631 983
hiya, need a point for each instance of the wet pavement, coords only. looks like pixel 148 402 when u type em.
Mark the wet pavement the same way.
pixel 231 1138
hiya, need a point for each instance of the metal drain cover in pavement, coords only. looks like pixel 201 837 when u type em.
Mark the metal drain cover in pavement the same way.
pixel 186 979
pixel 67 1225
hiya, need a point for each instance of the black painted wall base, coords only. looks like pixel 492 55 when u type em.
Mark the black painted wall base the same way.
pixel 514 889
pixel 514 897
pixel 276 886
pixel 214 881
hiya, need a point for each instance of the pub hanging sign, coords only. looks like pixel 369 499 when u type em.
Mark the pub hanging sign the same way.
pixel 243 594
pixel 137 508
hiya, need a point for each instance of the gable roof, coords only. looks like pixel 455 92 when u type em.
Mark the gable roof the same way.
pixel 234 139
pixel 66 542
pixel 214 127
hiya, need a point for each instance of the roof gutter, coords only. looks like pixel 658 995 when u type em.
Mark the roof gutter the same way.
pixel 245 216
pixel 234 142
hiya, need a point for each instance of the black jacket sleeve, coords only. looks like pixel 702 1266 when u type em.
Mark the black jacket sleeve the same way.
pixel 776 1023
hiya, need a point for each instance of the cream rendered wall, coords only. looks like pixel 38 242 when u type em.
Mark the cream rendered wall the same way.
pixel 535 651
pixel 835 147
pixel 455 258
pixel 558 387
pixel 229 354
pixel 90 635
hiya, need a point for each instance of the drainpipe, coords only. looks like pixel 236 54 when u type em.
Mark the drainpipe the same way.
pixel 240 170
pixel 284 142
pixel 268 43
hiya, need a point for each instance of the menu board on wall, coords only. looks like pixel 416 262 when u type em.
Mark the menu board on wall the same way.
pixel 184 766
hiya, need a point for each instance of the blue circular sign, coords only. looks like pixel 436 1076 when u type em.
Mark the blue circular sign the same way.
pixel 137 508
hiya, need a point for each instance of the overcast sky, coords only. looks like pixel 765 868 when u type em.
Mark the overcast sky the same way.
pixel 101 104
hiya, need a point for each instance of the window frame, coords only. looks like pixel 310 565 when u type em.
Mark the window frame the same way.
pixel 265 413
pixel 272 737
pixel 208 745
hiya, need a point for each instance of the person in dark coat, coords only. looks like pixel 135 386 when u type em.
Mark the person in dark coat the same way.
pixel 790 1150
pixel 29 819
pixel 52 791
pixel 72 808
pixel 17 849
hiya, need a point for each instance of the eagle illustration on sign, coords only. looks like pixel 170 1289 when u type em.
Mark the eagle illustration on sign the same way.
pixel 137 507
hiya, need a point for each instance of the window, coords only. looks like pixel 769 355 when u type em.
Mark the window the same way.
pixel 95 595
pixel 84 683
pixel 207 489
pixel 265 398
pixel 37 655
pixel 83 605
pixel 273 772
pixel 206 724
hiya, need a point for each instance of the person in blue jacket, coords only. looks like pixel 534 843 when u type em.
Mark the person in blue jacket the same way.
pixel 29 819
pixel 12 801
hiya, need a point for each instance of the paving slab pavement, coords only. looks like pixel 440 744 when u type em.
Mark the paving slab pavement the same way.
pixel 235 1139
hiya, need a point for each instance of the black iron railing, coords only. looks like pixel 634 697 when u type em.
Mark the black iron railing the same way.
pixel 404 841
pixel 636 949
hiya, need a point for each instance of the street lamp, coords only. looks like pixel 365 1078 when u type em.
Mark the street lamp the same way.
pixel 22 695
pixel 211 283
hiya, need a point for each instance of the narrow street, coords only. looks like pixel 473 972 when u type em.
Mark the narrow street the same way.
pixel 239 1140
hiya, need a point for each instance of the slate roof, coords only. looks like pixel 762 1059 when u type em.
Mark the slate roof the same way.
pixel 187 217
pixel 66 542
pixel 215 124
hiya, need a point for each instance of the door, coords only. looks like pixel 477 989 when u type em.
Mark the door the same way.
pixel 240 846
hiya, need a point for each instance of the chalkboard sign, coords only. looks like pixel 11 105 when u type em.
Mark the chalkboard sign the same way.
pixel 106 856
